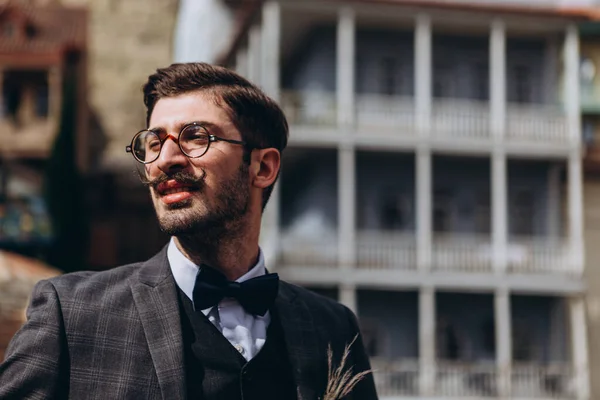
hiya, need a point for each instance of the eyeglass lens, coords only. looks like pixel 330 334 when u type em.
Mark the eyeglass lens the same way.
pixel 193 141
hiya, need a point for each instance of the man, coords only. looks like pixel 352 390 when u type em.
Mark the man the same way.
pixel 202 319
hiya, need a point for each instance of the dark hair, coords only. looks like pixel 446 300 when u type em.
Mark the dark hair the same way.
pixel 259 119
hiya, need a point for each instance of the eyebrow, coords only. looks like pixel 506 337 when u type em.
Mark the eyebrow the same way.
pixel 210 127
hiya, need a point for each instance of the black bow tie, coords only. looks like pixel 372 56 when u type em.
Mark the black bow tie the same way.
pixel 255 295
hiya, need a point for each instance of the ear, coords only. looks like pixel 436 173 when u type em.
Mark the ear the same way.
pixel 264 167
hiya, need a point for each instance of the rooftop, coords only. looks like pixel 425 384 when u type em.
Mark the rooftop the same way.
pixel 26 28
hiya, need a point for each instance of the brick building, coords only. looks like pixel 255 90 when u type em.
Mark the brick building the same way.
pixel 42 48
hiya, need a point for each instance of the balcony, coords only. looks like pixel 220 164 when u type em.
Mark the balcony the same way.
pixel 309 251
pixel 460 119
pixel 458 253
pixel 461 253
pixel 310 108
pixel 461 380
pixel 529 255
pixel 547 382
pixel 451 119
pixel 396 378
pixel 381 111
pixel 385 251
pixel 535 123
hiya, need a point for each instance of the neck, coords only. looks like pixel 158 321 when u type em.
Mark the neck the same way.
pixel 231 254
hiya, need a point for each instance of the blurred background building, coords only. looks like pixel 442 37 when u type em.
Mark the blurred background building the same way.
pixel 442 178
pixel 434 185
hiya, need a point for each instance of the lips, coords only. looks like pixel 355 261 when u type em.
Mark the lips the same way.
pixel 171 191
pixel 172 186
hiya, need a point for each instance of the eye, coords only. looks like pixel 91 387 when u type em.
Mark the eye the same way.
pixel 195 134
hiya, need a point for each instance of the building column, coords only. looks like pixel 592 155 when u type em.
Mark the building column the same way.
pixel 346 38
pixel 575 213
pixel 346 207
pixel 554 200
pixel 270 49
pixel 423 100
pixel 573 115
pixel 497 79
pixel 254 55
pixel 497 129
pixel 499 211
pixel 347 297
pixel 427 354
pixel 503 341
pixel 423 75
pixel 571 84
pixel 424 206
pixel 579 347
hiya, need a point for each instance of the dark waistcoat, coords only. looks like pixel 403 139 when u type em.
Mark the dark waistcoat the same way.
pixel 215 370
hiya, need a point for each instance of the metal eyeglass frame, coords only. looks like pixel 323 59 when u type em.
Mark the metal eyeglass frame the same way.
pixel 211 138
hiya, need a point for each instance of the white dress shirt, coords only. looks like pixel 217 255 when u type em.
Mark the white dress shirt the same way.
pixel 246 332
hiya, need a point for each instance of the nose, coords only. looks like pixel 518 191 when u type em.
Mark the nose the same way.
pixel 171 157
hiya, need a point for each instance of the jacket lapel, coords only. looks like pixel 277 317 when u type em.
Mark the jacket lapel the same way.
pixel 302 342
pixel 155 296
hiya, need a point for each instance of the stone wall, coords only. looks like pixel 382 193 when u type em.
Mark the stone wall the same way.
pixel 128 40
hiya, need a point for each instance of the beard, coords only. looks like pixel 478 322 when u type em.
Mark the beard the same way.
pixel 211 222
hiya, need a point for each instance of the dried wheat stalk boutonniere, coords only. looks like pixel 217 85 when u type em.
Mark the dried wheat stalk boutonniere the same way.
pixel 340 380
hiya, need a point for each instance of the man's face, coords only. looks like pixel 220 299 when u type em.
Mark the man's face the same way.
pixel 192 195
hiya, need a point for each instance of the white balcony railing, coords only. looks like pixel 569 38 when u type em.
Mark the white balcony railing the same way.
pixel 460 118
pixel 381 111
pixel 451 252
pixel 548 382
pixel 540 255
pixel 466 380
pixel 450 118
pixel 459 252
pixel 536 123
pixel 310 107
pixel 309 251
pixel 385 250
pixel 397 378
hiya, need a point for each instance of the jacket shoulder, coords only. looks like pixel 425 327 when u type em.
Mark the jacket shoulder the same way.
pixel 93 287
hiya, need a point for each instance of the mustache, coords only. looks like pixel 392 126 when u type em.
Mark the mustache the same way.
pixel 180 176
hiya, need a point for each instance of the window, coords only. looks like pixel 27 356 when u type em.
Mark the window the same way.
pixel 447 340
pixel 41 101
pixel 442 210
pixel 443 81
pixel 389 74
pixel 394 211
pixel 522 81
pixel 522 215
pixel 481 85
pixel 523 345
pixel 373 337
pixel 482 212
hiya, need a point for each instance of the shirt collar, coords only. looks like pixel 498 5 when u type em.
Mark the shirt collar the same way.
pixel 185 271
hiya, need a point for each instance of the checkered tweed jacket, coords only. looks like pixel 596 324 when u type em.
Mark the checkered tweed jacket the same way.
pixel 117 335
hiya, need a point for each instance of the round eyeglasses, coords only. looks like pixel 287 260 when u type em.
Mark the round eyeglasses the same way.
pixel 194 141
